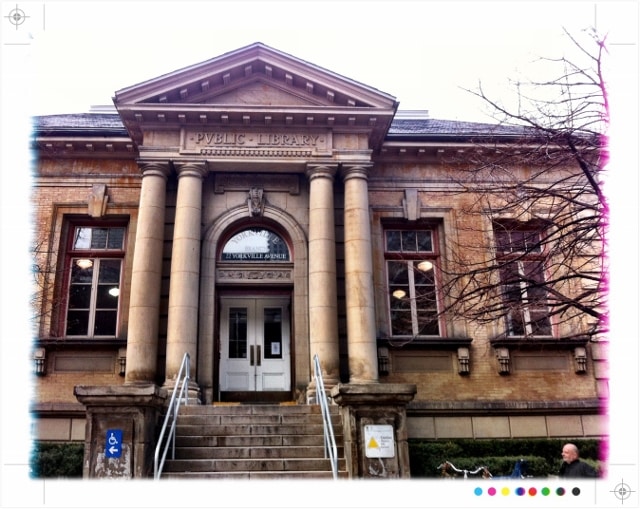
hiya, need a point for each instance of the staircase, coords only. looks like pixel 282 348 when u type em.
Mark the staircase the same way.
pixel 253 442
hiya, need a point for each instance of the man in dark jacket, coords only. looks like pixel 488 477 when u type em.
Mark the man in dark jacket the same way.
pixel 572 466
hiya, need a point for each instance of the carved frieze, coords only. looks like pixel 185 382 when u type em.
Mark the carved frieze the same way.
pixel 237 142
pixel 258 275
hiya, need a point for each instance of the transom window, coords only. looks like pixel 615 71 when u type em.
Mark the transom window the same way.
pixel 522 277
pixel 95 267
pixel 256 244
pixel 412 282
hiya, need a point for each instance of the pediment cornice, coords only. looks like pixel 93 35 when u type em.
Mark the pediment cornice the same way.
pixel 255 86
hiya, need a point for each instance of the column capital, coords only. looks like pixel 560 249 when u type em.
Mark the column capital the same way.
pixel 190 168
pixel 321 170
pixel 154 168
pixel 355 170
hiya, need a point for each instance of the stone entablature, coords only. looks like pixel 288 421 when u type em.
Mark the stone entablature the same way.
pixel 253 275
pixel 197 141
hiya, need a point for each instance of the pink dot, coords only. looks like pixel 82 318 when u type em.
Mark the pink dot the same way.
pixel 491 492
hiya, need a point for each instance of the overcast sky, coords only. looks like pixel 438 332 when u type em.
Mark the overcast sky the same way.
pixel 421 52
pixel 63 57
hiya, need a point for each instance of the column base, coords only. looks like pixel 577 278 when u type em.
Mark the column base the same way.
pixel 374 420
pixel 193 392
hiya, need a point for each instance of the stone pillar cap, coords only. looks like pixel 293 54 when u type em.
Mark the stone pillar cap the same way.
pixel 118 395
pixel 375 393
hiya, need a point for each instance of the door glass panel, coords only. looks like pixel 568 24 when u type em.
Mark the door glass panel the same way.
pixel 238 333
pixel 272 333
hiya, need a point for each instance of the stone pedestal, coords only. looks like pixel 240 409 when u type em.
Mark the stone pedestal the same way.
pixel 375 428
pixel 122 422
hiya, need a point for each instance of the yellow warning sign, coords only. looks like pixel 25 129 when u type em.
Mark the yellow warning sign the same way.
pixel 379 440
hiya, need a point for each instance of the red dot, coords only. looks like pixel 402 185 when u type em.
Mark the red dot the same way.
pixel 532 492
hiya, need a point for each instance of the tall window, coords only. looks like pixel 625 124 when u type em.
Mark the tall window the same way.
pixel 520 250
pixel 95 256
pixel 411 277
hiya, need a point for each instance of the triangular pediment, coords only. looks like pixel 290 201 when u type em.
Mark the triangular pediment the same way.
pixel 255 86
pixel 254 75
pixel 260 92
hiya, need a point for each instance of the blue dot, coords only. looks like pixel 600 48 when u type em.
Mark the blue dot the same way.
pixel 478 491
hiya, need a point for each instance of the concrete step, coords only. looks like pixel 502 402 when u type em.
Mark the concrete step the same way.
pixel 250 429
pixel 259 476
pixel 253 442
pixel 250 440
pixel 250 465
pixel 316 451
pixel 235 419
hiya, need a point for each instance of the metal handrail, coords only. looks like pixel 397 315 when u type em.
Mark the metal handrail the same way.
pixel 177 398
pixel 330 448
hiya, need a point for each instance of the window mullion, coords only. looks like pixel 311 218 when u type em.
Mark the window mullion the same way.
pixel 412 299
pixel 526 312
pixel 94 297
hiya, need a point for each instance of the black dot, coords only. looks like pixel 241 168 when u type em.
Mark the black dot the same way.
pixel 575 491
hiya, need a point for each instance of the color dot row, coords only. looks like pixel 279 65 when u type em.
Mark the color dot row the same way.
pixel 520 492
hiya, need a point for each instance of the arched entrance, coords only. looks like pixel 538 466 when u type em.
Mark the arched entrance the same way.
pixel 228 280
pixel 254 299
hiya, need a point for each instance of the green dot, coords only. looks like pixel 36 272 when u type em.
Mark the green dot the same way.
pixel 545 491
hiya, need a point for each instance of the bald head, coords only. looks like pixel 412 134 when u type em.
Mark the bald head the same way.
pixel 570 453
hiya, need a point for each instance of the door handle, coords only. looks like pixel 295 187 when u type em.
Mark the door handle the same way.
pixel 259 356
pixel 251 355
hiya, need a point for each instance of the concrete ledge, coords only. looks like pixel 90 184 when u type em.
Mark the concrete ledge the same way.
pixel 374 393
pixel 119 395
pixel 591 406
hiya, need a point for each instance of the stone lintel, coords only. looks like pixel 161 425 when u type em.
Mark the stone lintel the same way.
pixel 120 395
pixel 376 393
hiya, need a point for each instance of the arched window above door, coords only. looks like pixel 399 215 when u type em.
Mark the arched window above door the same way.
pixel 256 244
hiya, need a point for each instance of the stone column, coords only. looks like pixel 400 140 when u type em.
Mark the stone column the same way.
pixel 144 307
pixel 361 327
pixel 182 325
pixel 323 302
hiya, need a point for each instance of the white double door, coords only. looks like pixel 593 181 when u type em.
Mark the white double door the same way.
pixel 255 344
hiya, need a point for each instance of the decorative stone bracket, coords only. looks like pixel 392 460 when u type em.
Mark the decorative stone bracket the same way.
pixel 40 361
pixel 504 360
pixel 463 361
pixel 580 356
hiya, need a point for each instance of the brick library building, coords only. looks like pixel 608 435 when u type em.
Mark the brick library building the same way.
pixel 240 241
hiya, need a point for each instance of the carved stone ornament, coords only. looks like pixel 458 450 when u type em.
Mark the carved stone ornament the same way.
pixel 97 201
pixel 504 361
pixel 240 275
pixel 255 202
pixel 580 356
pixel 463 361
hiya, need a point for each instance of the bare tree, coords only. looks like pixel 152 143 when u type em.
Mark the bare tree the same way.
pixel 531 244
